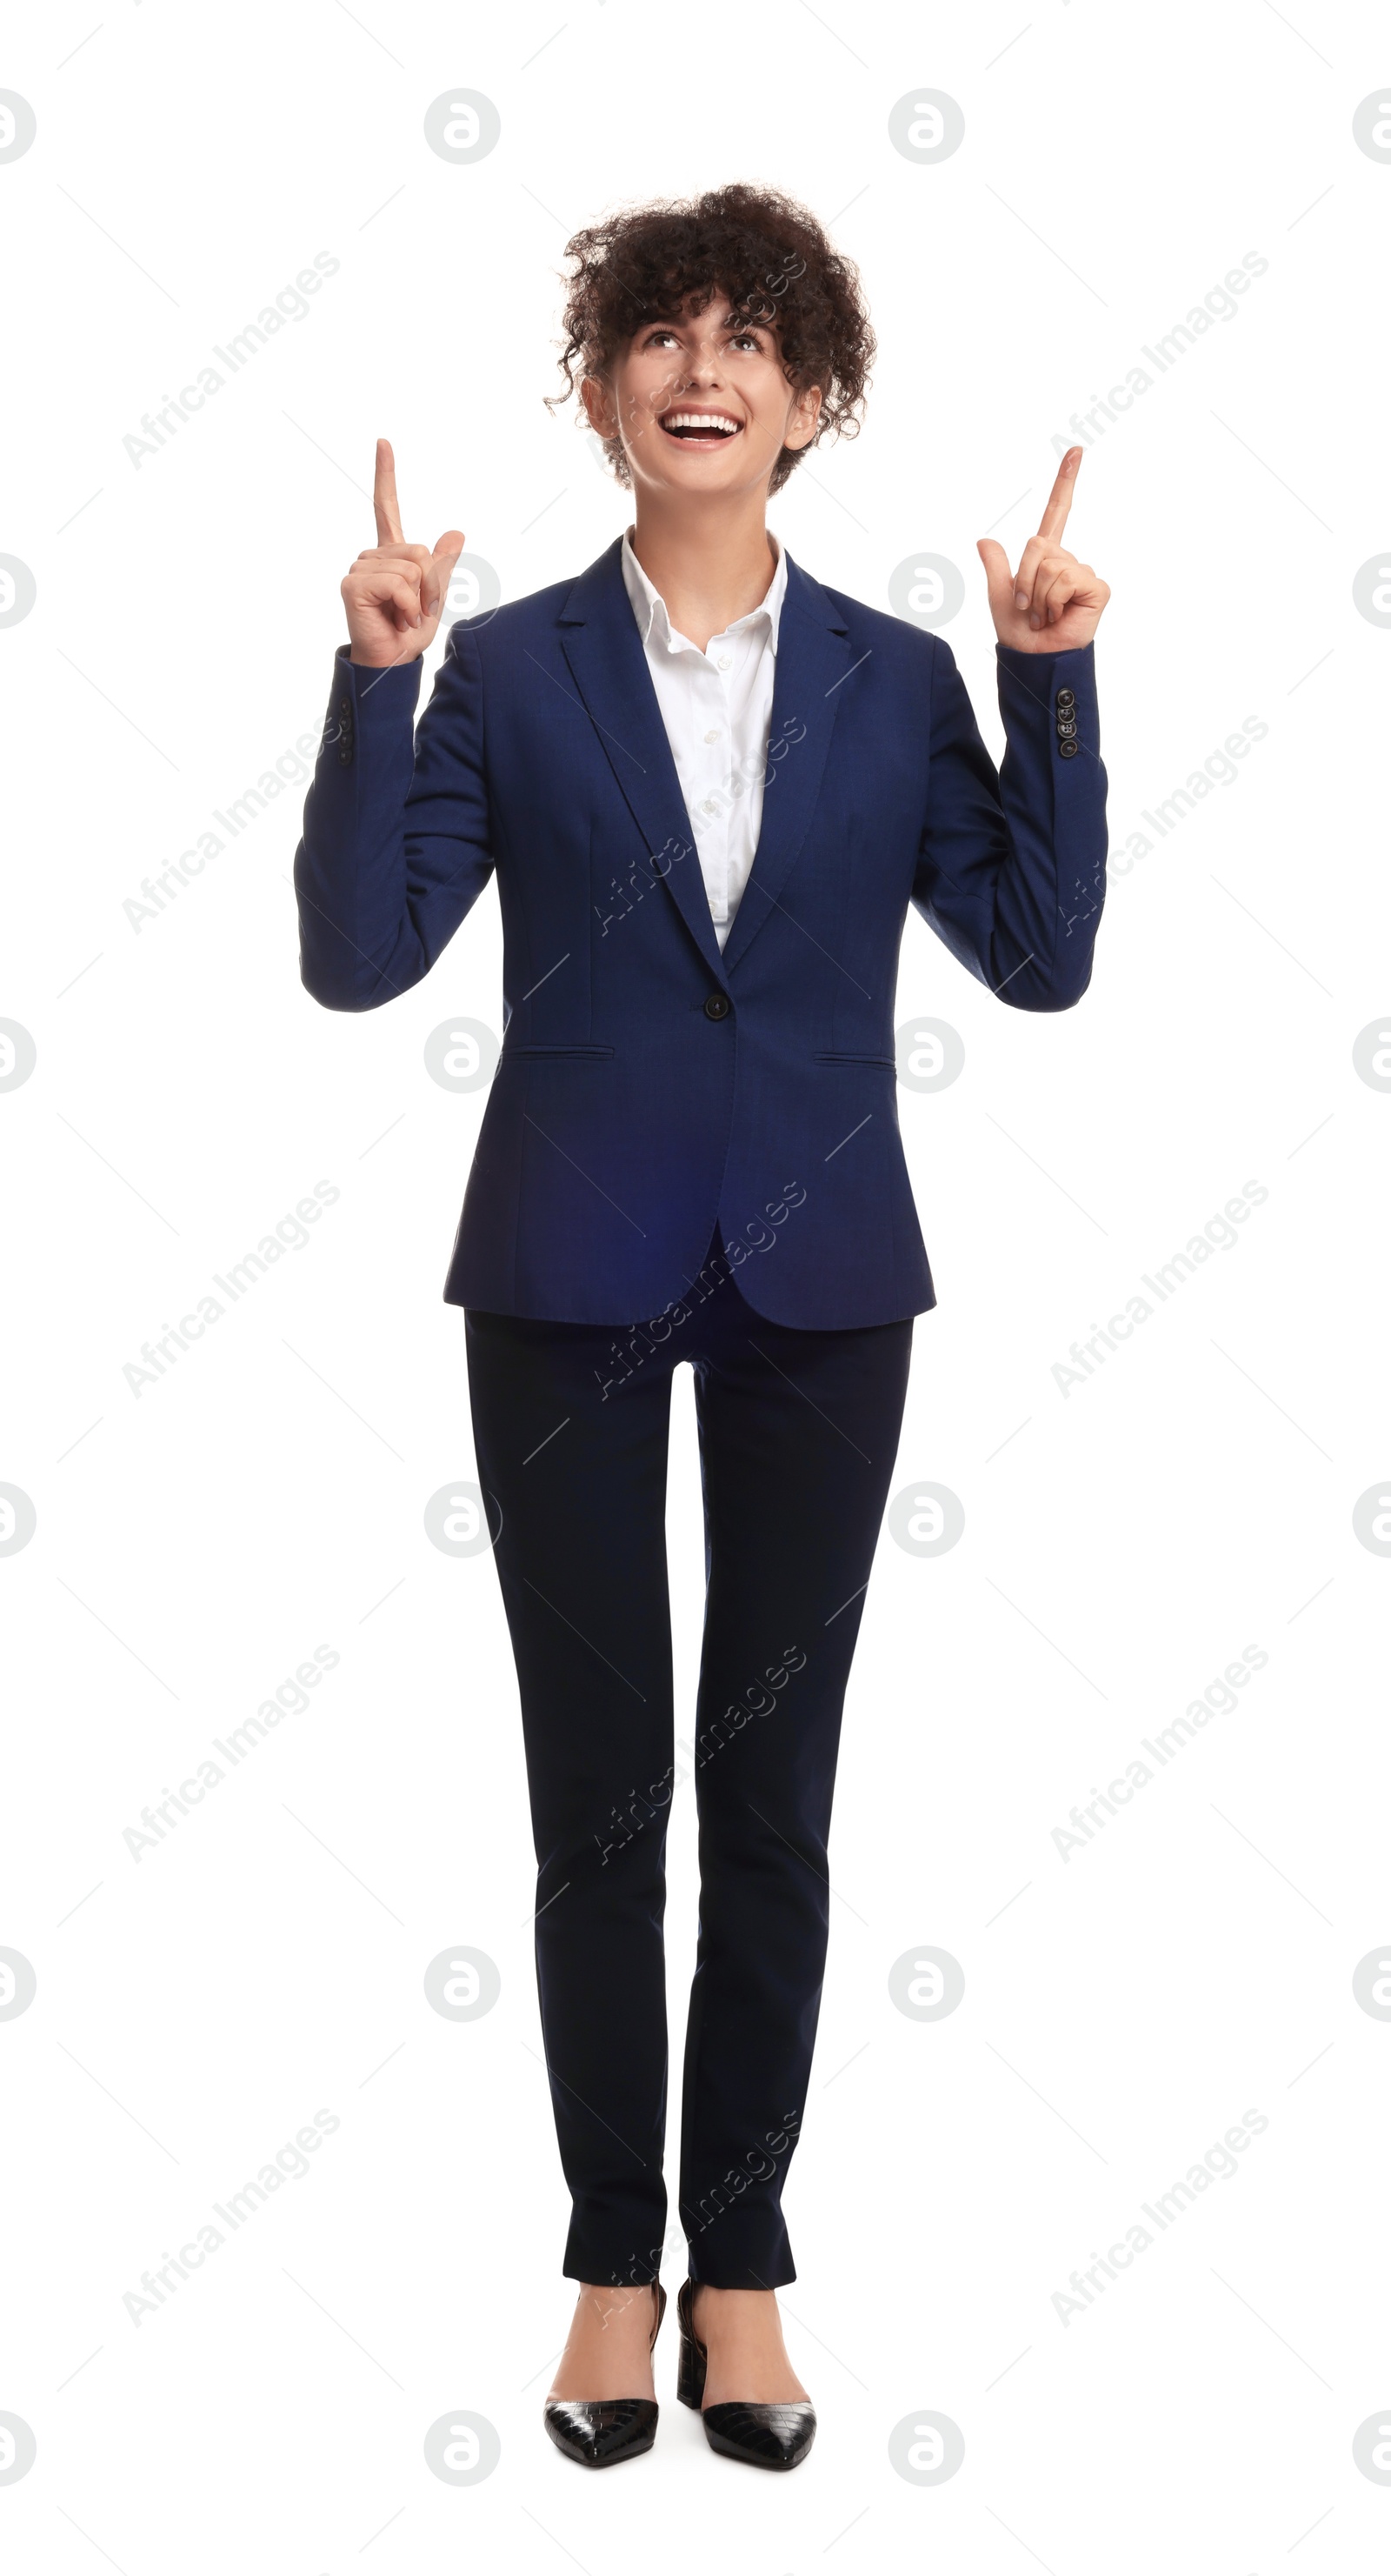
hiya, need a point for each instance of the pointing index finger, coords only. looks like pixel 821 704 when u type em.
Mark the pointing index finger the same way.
pixel 384 501
pixel 1054 518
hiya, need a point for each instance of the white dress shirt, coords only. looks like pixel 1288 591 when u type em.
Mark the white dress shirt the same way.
pixel 716 707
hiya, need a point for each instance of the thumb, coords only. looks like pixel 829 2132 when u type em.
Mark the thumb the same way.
pixel 999 578
pixel 448 549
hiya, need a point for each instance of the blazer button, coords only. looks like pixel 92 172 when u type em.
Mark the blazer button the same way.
pixel 1067 751
pixel 717 1007
pixel 1067 697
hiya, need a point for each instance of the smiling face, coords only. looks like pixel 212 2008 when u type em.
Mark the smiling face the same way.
pixel 701 404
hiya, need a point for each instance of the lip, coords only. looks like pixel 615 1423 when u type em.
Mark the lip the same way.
pixel 702 445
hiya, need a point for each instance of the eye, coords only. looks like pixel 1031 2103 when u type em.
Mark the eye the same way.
pixel 659 333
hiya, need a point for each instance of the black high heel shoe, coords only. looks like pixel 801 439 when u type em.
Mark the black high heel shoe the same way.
pixel 598 2432
pixel 768 2437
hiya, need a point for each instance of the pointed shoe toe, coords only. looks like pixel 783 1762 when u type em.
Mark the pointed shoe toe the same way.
pixel 768 2437
pixel 601 2431
pixel 598 2432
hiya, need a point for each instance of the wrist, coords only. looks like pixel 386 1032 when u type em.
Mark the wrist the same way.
pixel 1047 653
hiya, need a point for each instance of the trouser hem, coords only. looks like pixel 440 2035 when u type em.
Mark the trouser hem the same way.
pixel 768 2273
pixel 741 2250
pixel 610 2266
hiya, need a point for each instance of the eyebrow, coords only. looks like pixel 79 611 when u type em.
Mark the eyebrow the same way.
pixel 733 321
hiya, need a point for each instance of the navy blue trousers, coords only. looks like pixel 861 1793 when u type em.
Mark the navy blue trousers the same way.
pixel 798 1433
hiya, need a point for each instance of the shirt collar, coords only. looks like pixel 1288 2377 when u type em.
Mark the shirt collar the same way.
pixel 650 609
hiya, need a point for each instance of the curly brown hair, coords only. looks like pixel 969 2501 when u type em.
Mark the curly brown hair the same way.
pixel 771 258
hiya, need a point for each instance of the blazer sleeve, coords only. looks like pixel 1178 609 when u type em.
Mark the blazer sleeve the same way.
pixel 396 828
pixel 1012 865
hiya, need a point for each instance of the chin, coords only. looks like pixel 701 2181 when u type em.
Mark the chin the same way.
pixel 709 472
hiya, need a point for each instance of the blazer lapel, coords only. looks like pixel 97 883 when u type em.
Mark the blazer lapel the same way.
pixel 601 643
pixel 813 657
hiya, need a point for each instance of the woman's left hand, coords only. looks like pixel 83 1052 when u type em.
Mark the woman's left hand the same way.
pixel 1052 603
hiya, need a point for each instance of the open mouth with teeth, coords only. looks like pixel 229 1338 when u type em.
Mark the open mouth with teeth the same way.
pixel 708 429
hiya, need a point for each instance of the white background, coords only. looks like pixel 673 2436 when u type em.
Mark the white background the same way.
pixel 1123 1542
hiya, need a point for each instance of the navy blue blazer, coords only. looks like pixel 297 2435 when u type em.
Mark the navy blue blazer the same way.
pixel 648 1084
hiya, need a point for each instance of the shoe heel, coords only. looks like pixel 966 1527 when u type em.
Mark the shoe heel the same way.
pixel 690 2374
pixel 690 2366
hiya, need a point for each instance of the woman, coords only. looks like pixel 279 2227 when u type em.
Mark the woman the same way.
pixel 710 789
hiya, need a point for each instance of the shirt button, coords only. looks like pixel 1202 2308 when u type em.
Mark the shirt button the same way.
pixel 713 734
pixel 709 806
pixel 717 1007
pixel 723 663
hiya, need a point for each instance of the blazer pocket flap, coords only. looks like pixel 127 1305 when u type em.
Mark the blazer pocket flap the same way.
pixel 888 1063
pixel 596 1051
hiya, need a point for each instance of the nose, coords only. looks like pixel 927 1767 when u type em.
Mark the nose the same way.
pixel 703 367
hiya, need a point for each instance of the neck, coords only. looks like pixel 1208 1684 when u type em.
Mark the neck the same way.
pixel 712 563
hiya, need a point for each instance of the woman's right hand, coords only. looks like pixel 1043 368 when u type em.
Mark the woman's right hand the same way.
pixel 395 593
